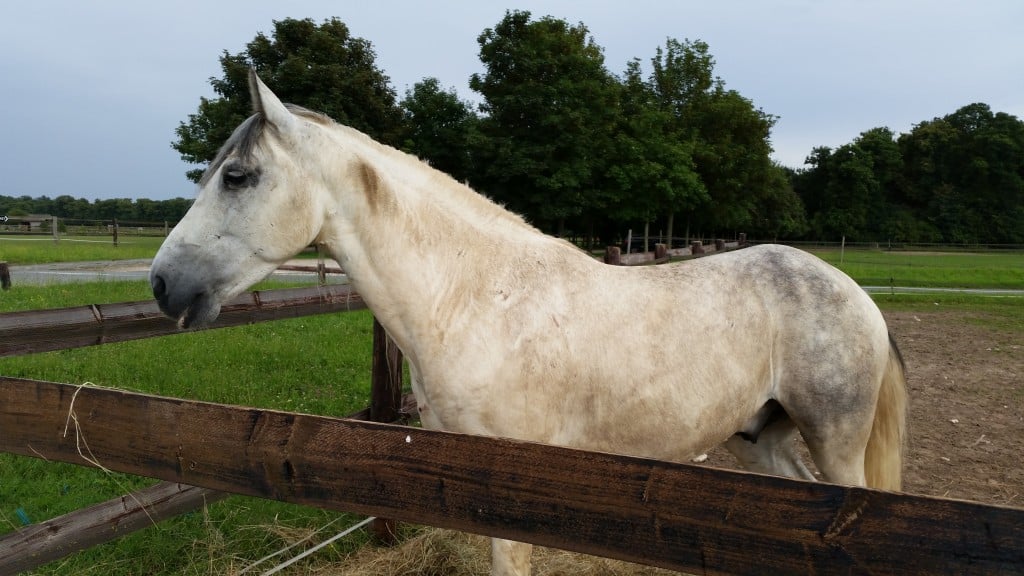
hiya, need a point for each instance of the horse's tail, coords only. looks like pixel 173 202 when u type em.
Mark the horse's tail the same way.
pixel 883 460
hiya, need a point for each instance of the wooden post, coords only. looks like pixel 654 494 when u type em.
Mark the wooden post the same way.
pixel 742 239
pixel 5 276
pixel 321 268
pixel 719 244
pixel 115 231
pixel 696 247
pixel 613 255
pixel 165 228
pixel 660 251
pixel 53 226
pixel 385 403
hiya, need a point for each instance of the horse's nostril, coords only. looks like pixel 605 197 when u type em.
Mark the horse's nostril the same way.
pixel 159 287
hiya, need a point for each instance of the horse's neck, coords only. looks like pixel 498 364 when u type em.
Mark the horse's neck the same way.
pixel 418 246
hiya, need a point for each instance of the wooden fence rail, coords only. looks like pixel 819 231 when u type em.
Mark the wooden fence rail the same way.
pixel 33 546
pixel 671 515
pixel 58 329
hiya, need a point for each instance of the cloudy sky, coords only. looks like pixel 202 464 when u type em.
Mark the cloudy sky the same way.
pixel 92 91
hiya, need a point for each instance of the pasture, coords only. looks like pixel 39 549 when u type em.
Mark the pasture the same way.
pixel 931 269
pixel 305 373
pixel 43 250
pixel 964 357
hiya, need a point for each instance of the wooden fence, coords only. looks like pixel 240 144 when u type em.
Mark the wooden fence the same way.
pixel 672 515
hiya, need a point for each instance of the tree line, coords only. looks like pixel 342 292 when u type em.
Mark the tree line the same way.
pixel 122 209
pixel 955 179
pixel 578 149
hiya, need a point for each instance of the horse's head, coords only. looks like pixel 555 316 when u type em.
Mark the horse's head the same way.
pixel 256 207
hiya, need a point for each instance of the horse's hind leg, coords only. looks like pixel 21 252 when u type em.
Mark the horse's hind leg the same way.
pixel 773 451
pixel 509 558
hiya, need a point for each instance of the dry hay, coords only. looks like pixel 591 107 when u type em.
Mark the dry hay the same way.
pixel 436 552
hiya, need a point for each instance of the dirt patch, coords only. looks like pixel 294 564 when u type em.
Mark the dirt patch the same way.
pixel 967 407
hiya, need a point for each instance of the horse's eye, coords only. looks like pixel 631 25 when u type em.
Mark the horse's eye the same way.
pixel 235 179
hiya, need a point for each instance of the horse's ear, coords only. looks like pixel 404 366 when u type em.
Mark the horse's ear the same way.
pixel 266 102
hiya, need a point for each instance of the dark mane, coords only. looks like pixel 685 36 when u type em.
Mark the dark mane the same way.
pixel 247 136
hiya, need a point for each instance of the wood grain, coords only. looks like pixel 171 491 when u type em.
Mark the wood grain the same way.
pixel 675 516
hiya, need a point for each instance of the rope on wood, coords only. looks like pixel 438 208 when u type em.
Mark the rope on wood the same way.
pixel 91 458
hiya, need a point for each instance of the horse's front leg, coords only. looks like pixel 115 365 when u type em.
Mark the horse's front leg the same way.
pixel 510 558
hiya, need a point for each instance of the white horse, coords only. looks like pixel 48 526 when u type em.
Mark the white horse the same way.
pixel 513 333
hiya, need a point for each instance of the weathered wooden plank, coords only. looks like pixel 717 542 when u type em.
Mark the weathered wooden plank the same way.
pixel 671 515
pixel 58 329
pixel 38 544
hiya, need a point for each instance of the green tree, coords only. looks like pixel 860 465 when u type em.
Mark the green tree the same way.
pixel 964 175
pixel 730 140
pixel 653 167
pixel 440 128
pixel 549 105
pixel 321 67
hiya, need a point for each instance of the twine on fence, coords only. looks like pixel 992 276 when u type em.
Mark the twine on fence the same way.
pixel 91 458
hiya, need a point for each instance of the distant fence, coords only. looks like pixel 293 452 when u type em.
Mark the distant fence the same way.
pixel 60 227
pixel 671 515
pixel 662 253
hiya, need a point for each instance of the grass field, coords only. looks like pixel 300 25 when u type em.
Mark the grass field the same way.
pixel 940 270
pixel 315 364
pixel 43 250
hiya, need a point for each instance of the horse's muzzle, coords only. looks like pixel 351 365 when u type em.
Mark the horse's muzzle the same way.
pixel 191 308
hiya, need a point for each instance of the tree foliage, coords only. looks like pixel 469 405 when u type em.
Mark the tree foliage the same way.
pixel 123 209
pixel 959 178
pixel 573 147
pixel 549 108
pixel 440 128
pixel 321 67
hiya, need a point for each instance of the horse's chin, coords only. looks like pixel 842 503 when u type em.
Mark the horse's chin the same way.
pixel 200 314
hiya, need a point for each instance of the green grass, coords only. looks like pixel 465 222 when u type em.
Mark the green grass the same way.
pixel 316 364
pixel 993 312
pixel 43 250
pixel 939 270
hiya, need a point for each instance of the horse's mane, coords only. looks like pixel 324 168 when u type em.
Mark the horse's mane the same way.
pixel 246 137
pixel 248 134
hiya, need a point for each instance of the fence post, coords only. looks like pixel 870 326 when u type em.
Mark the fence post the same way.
pixel 115 231
pixel 613 255
pixel 696 247
pixel 321 268
pixel 385 404
pixel 5 276
pixel 53 225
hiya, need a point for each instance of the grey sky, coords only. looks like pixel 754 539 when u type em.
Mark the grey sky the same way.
pixel 92 91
